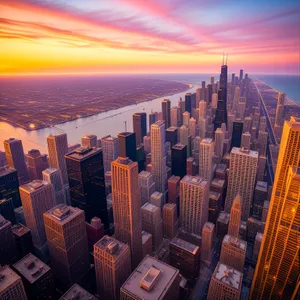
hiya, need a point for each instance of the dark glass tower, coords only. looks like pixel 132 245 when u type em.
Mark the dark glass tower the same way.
pixel 7 210
pixel 87 185
pixel 166 112
pixel 127 145
pixel 188 103
pixel 179 155
pixel 139 126
pixel 237 132
pixel 171 135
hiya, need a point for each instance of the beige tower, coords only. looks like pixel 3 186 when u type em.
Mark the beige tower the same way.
pixel 112 266
pixel 208 233
pixel 235 217
pixel 192 127
pixel 277 269
pixel 205 158
pixel 127 206
pixel 89 140
pixel 68 246
pixel 193 203
pixel 279 109
pixel 242 176
pixel 109 145
pixel 170 220
pixel 219 143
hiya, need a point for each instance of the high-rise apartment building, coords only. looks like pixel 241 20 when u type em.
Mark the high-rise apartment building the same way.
pixel 36 163
pixel 87 184
pixel 233 252
pixel 68 246
pixel 235 217
pixel 37 198
pixel 127 145
pixel 112 266
pixel 242 176
pixel 127 206
pixel 57 149
pixel 152 279
pixel 170 220
pixel 193 203
pixel 208 234
pixel 89 140
pixel 205 158
pixel 15 158
pixel 157 199
pixel 11 285
pixel 139 126
pixel 277 269
pixel 109 145
pixel 158 156
pixel 166 111
pixel 225 283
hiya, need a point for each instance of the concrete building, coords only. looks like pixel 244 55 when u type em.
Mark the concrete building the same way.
pixel 36 163
pixel 170 220
pixel 147 186
pixel 152 279
pixel 257 244
pixel 246 140
pixel 157 199
pixel 219 143
pixel 193 203
pixel 112 265
pixel 174 116
pixel 147 243
pixel 192 127
pixel 208 234
pixel 89 140
pixel 68 246
pixel 233 252
pixel 109 145
pixel 279 109
pixel 235 217
pixel 173 189
pixel 242 176
pixel 225 283
pixel 127 205
pixel 205 158
pixel 172 135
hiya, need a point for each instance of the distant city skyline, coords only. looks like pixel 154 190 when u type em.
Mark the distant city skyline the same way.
pixel 132 36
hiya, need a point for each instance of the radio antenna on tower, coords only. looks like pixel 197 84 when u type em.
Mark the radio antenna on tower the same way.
pixel 226 58
pixel 223 60
pixel 125 122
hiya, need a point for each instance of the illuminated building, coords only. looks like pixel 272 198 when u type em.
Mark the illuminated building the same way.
pixel 235 217
pixel 127 206
pixel 184 138
pixel 279 109
pixel 277 268
pixel 208 233
pixel 36 164
pixel 89 140
pixel 109 145
pixel 192 127
pixel 112 266
pixel 174 116
pixel 170 220
pixel 139 126
pixel 157 199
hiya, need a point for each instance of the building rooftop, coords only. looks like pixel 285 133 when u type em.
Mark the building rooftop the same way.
pixel 156 194
pixel 62 213
pixel 3 222
pixel 145 236
pixel 19 229
pixel 237 243
pixel 228 275
pixel 214 195
pixel 217 182
pixel 259 236
pixel 89 136
pixel 187 246
pixel 174 179
pixel 109 138
pixel 111 245
pixel 34 186
pixel 207 141
pixel 7 277
pixel 125 161
pixel 262 186
pixel 178 146
pixel 195 180
pixel 209 225
pixel 172 129
pixel 6 170
pixel 223 217
pixel 82 153
pixel 151 279
pixel 76 292
pixel 12 141
pixel 244 151
pixel 31 267
pixel 170 206
pixel 158 124
pixel 149 207
pixel 145 174
pixel 50 171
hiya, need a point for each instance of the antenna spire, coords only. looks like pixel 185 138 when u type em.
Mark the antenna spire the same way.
pixel 125 122
pixel 223 59
pixel 226 58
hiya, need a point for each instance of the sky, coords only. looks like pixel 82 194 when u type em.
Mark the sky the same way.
pixel 148 36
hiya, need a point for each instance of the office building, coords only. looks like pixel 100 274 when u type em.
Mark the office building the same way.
pixel 77 292
pixel 235 217
pixel 172 135
pixel 279 109
pixel 9 185
pixel 208 234
pixel 37 198
pixel 205 158
pixel 242 176
pixel 233 252
pixel 222 224
pixel 23 239
pixel 57 149
pixel 214 206
pixel 174 116
pixel 95 229
pixel 260 196
pixel 186 257
pixel 262 142
pixel 7 243
pixel 246 140
pixel 146 243
pixel 179 156
pixel 112 266
pixel 170 220
pixel 152 223
pixel 146 185
pixel 36 276
pixel 186 117
pixel 257 244
pixel 173 189
pixel 15 158
pixel 36 164
pixel 152 279
pixel 253 227
pixel 157 199
pixel 54 177
pixel 237 131
pixel 11 285
pixel 193 203
pixel 139 126
pixel 3 160
pixel 7 210
pixel 87 185
pixel 127 205
pixel 192 127
pixel 184 138
pixel 109 145
pixel 127 145
pixel 236 98
pixel 89 140
pixel 158 156
pixel 225 283
pixel 72 147
pixel 67 240
pixel 219 143
pixel 188 102
pixel 166 111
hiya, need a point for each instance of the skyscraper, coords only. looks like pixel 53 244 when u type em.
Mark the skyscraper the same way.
pixel 219 143
pixel 237 131
pixel 36 164
pixel 89 140
pixel 166 111
pixel 235 217
pixel 205 158
pixel 109 145
pixel 192 127
pixel 57 149
pixel 188 102
pixel 172 135
pixel 146 185
pixel 87 185
pixel 242 176
pixel 139 126
pixel 241 75
pixel 68 245
pixel 170 220
pixel 112 265
pixel 158 157
pixel 236 98
pixel 193 203
pixel 153 117
pixel 277 268
pixel 37 198
pixel 15 158
pixel 179 156
pixel 127 205
pixel 208 233
pixel 127 145
pixel 279 109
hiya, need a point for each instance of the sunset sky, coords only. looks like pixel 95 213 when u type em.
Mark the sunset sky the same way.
pixel 148 36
